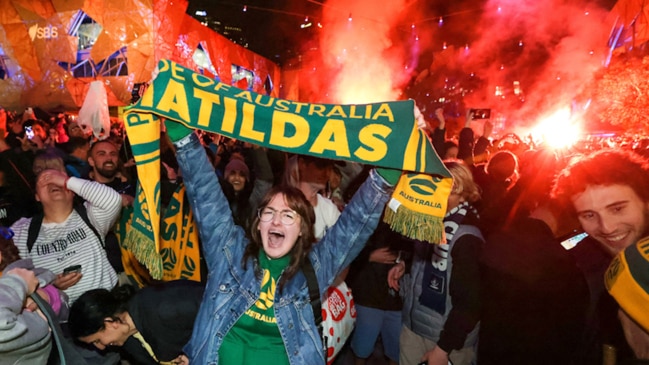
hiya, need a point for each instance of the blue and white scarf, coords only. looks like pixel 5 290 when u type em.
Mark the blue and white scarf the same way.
pixel 435 280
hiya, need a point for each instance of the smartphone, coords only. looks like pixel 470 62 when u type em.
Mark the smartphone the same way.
pixel 71 269
pixel 481 113
pixel 29 132
pixel 570 241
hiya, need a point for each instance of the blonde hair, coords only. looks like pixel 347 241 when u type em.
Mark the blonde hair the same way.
pixel 463 183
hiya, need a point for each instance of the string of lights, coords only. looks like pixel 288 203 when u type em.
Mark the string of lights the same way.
pixel 314 18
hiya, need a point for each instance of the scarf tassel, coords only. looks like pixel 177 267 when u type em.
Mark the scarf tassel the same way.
pixel 145 253
pixel 415 225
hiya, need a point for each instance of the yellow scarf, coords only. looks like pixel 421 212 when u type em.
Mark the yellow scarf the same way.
pixel 381 134
pixel 179 240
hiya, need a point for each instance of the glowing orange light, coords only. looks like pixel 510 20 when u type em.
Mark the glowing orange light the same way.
pixel 557 130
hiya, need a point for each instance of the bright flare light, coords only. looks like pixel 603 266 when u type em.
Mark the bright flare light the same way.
pixel 557 130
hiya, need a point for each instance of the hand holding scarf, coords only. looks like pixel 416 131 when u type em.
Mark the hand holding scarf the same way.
pixel 380 134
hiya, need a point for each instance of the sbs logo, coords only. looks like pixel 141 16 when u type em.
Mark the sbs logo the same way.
pixel 47 32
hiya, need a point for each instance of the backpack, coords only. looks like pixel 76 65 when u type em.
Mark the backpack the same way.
pixel 37 222
pixel 110 243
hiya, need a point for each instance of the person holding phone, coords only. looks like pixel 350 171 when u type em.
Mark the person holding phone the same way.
pixel 72 269
pixel 35 128
pixel 64 238
pixel 607 192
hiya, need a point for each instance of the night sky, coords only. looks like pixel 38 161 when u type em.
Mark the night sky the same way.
pixel 272 28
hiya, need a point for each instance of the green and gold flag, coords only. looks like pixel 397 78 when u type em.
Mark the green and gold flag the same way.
pixel 381 134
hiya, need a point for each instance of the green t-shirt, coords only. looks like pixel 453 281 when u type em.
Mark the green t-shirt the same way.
pixel 255 338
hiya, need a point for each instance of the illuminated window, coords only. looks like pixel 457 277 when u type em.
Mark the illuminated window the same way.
pixel 202 59
pixel 114 65
pixel 87 30
pixel 242 78
pixel 7 68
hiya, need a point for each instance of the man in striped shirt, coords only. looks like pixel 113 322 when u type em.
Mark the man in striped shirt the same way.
pixel 65 239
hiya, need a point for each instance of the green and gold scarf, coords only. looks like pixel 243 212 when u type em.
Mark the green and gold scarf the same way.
pixel 380 134
pixel 179 240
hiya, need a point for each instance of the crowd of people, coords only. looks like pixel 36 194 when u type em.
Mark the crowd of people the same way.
pixel 530 233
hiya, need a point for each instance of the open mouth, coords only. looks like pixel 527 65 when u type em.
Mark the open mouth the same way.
pixel 275 238
pixel 54 188
pixel 616 239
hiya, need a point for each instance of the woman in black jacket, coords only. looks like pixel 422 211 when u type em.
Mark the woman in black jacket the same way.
pixel 151 325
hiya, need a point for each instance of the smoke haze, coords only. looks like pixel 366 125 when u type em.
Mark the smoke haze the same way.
pixel 551 48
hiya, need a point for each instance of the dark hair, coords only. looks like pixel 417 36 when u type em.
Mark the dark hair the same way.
pixel 242 210
pixel 88 313
pixel 92 146
pixel 605 167
pixel 449 144
pixel 32 122
pixel 502 165
pixel 296 200
pixel 75 143
pixel 9 252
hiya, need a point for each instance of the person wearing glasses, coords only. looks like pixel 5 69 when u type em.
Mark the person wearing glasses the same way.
pixel 256 307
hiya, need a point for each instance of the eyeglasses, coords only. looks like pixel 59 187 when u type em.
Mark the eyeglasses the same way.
pixel 6 232
pixel 287 217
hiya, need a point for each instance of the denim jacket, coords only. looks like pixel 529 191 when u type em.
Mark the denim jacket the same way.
pixel 231 290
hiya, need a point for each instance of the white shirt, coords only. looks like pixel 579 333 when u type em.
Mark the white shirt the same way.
pixel 72 242
pixel 326 214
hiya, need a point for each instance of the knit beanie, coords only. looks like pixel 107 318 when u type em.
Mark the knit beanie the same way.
pixel 237 164
pixel 627 280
